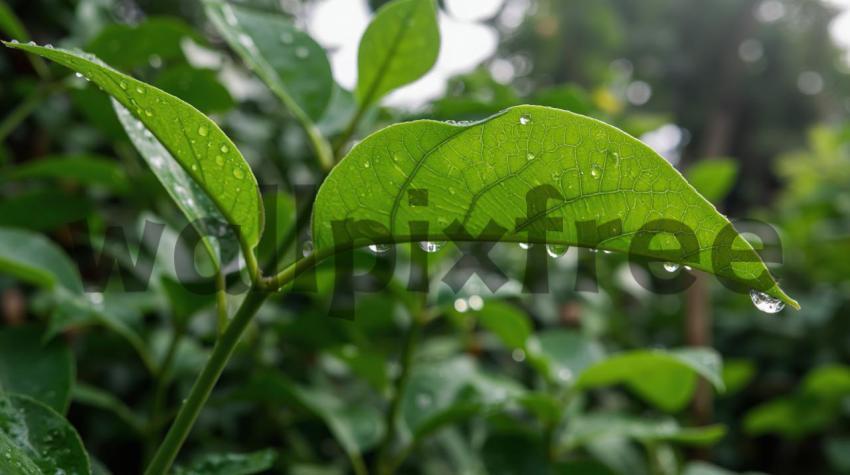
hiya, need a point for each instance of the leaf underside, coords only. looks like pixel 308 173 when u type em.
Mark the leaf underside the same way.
pixel 207 155
pixel 473 174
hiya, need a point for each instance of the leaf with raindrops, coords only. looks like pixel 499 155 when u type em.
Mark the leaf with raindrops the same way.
pixel 290 62
pixel 197 144
pixel 426 180
pixel 36 440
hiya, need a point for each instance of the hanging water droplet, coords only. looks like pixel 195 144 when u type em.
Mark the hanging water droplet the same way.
pixel 525 246
pixel 307 248
pixel 595 172
pixel 203 131
pixel 286 37
pixel 766 303
pixel 430 246
pixel 529 156
pixel 379 249
pixel 302 52
pixel 524 119
pixel 556 250
pixel 671 266
pixel 238 173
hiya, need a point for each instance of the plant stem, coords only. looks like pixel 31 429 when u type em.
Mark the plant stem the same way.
pixel 203 386
pixel 384 465
pixel 349 131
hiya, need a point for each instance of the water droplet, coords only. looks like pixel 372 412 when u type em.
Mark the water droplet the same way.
pixel 367 165
pixel 219 160
pixel 524 119
pixel 687 268
pixel 194 167
pixel 671 266
pixel 123 85
pixel 595 172
pixel 238 173
pixel 224 149
pixel 423 400
pixel 529 156
pixel 556 250
pixel 518 355
pixel 140 90
pixel 461 305
pixel 525 246
pixel 148 112
pixel 302 52
pixel 564 374
pixel 606 251
pixel 476 302
pixel 286 37
pixel 766 303
pixel 430 246
pixel 379 249
pixel 203 131
pixel 307 248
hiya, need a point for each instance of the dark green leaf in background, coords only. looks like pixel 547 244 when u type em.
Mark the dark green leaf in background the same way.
pixel 33 367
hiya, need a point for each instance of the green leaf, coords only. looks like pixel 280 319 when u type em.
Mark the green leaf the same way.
pixel 290 62
pixel 586 428
pixel 713 178
pixel 737 374
pixel 56 208
pixel 666 379
pixel 32 258
pixel 37 440
pixel 199 87
pixel 35 368
pixel 230 464
pixel 399 46
pixel 476 173
pixel 128 46
pixel 10 24
pixel 99 398
pixel 86 170
pixel 507 322
pixel 205 153
pixel 357 427
pixel 197 206
pixel 561 354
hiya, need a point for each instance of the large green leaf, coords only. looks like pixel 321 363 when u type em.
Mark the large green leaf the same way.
pixel 399 46
pixel 479 174
pixel 35 368
pixel 205 153
pixel 585 428
pixel 293 65
pixel 35 440
pixel 666 379
pixel 34 259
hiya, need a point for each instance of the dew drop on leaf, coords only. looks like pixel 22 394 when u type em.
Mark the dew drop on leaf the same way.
pixel 461 305
pixel 219 160
pixel 671 266
pixel 595 172
pixel 556 250
pixel 476 302
pixel 286 38
pixel 238 173
pixel 302 52
pixel 123 85
pixel 307 248
pixel 430 246
pixel 524 246
pixel 140 90
pixel 224 149
pixel 766 303
pixel 529 156
pixel 379 249
pixel 524 119
pixel 203 131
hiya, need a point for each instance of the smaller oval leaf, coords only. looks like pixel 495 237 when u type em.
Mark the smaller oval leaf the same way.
pixel 399 46
pixel 37 440
pixel 195 141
